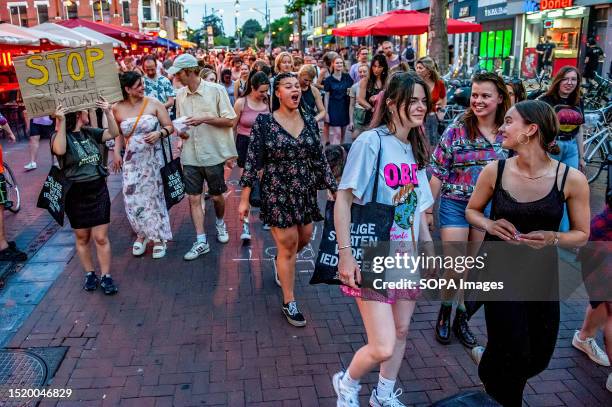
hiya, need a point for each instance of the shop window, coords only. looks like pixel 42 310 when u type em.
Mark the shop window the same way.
pixel 101 11
pixel 72 10
pixel 19 15
pixel 495 48
pixel 43 13
pixel 125 5
pixel 146 10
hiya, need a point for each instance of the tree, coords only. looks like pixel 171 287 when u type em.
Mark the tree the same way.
pixel 250 28
pixel 297 7
pixel 216 22
pixel 437 37
pixel 281 30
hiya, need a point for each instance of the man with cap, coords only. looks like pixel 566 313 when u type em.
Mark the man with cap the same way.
pixel 208 144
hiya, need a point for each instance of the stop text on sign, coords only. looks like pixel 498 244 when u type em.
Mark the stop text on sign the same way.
pixel 77 64
pixel 555 4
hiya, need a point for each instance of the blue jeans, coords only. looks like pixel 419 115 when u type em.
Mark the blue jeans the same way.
pixel 568 156
pixel 452 213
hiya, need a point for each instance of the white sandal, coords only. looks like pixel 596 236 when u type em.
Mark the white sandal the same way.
pixel 139 248
pixel 159 249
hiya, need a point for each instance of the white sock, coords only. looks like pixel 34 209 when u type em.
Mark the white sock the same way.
pixel 384 389
pixel 219 222
pixel 202 238
pixel 348 382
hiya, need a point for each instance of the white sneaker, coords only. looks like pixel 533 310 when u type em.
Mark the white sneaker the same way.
pixel 609 382
pixel 476 354
pixel 347 397
pixel 198 249
pixel 30 166
pixel 392 401
pixel 592 350
pixel 246 233
pixel 222 235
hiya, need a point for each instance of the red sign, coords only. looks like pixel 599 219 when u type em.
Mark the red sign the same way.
pixel 554 4
pixel 529 68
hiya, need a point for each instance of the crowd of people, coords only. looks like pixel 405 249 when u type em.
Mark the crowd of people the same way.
pixel 280 118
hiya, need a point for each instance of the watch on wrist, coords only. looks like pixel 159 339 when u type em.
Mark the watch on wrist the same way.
pixel 556 240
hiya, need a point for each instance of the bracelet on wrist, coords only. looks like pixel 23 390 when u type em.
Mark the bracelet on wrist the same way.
pixel 344 247
pixel 428 213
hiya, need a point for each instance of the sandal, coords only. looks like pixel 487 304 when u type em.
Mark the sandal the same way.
pixel 139 248
pixel 159 249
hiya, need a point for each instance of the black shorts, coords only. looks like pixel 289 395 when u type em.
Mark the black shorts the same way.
pixel 3 191
pixel 41 130
pixel 242 145
pixel 214 176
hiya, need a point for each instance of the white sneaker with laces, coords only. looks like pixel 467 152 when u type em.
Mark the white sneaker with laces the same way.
pixel 222 235
pixel 198 249
pixel 30 166
pixel 476 354
pixel 246 233
pixel 592 350
pixel 392 401
pixel 347 397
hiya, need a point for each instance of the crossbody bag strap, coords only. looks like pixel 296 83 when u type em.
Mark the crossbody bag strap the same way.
pixel 142 109
pixel 377 175
pixel 166 161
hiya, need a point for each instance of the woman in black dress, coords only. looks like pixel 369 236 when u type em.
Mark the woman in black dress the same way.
pixel 286 150
pixel 522 328
pixel 337 100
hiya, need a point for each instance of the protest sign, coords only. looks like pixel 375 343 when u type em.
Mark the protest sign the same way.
pixel 72 77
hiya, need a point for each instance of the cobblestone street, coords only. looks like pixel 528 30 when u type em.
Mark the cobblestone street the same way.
pixel 211 332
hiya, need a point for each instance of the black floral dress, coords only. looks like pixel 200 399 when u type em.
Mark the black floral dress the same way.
pixel 293 170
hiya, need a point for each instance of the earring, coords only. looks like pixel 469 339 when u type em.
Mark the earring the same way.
pixel 519 138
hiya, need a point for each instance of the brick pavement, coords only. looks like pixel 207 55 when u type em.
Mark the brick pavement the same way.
pixel 210 332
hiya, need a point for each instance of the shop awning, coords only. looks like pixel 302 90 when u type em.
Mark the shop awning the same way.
pixel 186 44
pixel 401 22
pixel 106 29
pixel 160 42
pixel 38 35
pixel 7 38
pixel 103 39
pixel 67 33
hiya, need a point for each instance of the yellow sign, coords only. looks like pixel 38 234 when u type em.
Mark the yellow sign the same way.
pixel 73 77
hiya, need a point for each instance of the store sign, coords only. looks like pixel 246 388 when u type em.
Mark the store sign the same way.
pixel 72 77
pixel 555 4
pixel 464 12
pixel 493 12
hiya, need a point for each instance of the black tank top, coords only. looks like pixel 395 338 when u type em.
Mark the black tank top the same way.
pixel 308 102
pixel 542 214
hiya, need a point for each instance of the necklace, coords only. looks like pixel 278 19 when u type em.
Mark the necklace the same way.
pixel 540 176
pixel 405 145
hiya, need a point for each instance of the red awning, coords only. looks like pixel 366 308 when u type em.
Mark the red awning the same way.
pixel 114 31
pixel 401 22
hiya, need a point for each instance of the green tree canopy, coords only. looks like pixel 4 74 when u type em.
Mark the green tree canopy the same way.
pixel 250 28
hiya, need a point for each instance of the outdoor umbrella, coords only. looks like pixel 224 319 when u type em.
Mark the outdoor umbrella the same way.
pixel 66 32
pixel 103 39
pixel 106 29
pixel 37 35
pixel 401 22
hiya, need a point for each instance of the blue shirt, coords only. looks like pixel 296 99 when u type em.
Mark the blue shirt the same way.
pixel 159 88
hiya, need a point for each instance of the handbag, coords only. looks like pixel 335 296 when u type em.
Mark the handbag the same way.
pixel 359 117
pixel 370 223
pixel 52 196
pixel 172 178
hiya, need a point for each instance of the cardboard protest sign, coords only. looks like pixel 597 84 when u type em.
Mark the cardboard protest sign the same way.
pixel 73 77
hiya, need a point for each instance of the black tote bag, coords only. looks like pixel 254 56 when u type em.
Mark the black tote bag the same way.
pixel 369 222
pixel 52 196
pixel 172 178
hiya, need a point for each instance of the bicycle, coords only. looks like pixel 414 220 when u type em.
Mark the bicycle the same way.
pixel 13 198
pixel 598 144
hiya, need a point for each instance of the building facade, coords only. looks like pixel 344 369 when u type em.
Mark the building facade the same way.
pixel 141 15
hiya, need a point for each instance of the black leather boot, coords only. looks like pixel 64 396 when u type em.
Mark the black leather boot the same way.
pixel 443 325
pixel 462 329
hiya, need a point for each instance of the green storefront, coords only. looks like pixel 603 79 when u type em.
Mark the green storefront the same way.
pixel 496 39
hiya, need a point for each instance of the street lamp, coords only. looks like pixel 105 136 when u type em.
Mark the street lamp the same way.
pixel 267 17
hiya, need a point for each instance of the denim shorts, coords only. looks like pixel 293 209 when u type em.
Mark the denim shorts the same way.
pixel 452 213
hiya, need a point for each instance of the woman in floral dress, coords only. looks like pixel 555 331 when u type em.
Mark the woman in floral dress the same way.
pixel 286 148
pixel 140 119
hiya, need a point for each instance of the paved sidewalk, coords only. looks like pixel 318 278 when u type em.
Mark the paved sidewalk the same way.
pixel 210 332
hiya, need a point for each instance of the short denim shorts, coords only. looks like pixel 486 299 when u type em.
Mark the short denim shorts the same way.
pixel 452 213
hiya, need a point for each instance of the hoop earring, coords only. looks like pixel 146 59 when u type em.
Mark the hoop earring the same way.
pixel 519 139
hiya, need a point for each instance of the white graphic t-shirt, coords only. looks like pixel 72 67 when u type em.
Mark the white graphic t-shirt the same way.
pixel 400 181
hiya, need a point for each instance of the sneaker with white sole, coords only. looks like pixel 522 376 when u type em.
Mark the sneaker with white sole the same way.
pixel 347 396
pixel 222 235
pixel 198 249
pixel 293 314
pixel 392 401
pixel 592 350
pixel 246 233
pixel 30 166
pixel 609 382
pixel 476 353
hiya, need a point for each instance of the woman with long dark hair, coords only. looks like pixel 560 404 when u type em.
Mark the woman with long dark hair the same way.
pixel 427 69
pixel 247 108
pixel 372 85
pixel 516 90
pixel 143 122
pixel 464 149
pixel 286 148
pixel 564 97
pixel 529 192
pixel 76 145
pixel 395 143
pixel 227 82
pixel 241 84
